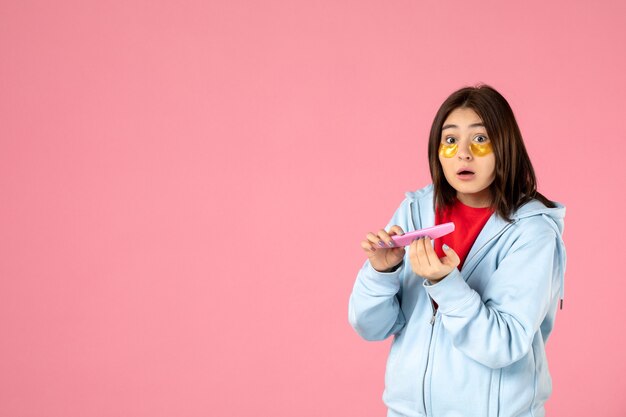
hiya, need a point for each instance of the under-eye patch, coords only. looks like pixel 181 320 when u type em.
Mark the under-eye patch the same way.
pixel 481 149
pixel 448 150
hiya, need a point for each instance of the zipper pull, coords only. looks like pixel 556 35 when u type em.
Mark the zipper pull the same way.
pixel 432 305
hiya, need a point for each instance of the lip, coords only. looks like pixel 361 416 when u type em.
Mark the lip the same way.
pixel 465 177
pixel 465 169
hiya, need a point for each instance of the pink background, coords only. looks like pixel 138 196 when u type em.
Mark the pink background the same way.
pixel 184 186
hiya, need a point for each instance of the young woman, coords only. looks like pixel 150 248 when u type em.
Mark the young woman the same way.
pixel 471 312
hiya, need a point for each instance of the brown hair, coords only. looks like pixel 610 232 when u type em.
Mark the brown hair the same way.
pixel 515 182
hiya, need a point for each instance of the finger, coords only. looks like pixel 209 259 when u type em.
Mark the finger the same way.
pixel 368 246
pixel 396 230
pixel 413 253
pixel 421 252
pixel 375 240
pixel 433 259
pixel 451 259
pixel 384 236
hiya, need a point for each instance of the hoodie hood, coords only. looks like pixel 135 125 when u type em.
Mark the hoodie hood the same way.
pixel 555 217
pixel 422 201
pixel 536 208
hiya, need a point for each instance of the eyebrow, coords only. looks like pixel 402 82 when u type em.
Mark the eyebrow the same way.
pixel 456 127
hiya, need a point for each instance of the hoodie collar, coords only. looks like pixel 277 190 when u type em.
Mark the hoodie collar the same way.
pixel 424 200
pixel 495 226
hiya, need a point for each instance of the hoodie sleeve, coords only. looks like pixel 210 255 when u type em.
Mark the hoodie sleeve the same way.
pixel 497 329
pixel 374 307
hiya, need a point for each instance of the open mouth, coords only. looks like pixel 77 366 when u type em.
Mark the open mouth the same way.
pixel 464 171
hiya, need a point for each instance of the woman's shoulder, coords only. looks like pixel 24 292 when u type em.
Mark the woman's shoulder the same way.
pixel 422 193
pixel 535 218
pixel 413 209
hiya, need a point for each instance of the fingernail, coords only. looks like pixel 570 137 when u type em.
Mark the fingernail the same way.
pixel 445 247
pixel 380 243
pixel 391 244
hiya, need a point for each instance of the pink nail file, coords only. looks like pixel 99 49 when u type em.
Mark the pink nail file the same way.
pixel 432 232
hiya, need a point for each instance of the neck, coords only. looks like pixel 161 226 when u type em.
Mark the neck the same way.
pixel 476 200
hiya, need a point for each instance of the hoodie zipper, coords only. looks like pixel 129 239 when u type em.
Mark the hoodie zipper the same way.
pixel 433 320
pixel 428 356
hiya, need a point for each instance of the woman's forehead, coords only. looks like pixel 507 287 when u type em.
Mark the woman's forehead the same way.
pixel 462 117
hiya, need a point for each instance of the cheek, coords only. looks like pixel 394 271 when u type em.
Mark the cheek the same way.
pixel 448 151
pixel 444 162
pixel 490 165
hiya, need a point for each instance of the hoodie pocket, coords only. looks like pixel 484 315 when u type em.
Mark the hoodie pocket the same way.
pixel 494 393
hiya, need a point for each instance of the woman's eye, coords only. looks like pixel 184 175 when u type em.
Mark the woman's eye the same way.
pixel 481 139
pixel 449 140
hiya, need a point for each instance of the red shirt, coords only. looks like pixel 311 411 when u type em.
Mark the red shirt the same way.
pixel 468 222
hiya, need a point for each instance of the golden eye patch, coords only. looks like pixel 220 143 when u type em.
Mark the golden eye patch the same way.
pixel 481 149
pixel 448 150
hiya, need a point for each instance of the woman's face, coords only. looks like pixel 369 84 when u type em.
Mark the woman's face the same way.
pixel 467 158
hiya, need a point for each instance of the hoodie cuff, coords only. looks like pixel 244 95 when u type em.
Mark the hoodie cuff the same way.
pixel 382 283
pixel 451 292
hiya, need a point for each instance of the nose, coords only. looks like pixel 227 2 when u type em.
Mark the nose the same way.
pixel 464 152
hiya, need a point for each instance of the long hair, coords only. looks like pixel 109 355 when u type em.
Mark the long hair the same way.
pixel 515 182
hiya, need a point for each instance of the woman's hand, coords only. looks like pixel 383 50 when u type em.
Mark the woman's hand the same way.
pixel 381 251
pixel 426 263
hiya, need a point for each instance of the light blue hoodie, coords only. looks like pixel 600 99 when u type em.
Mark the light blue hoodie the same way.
pixel 483 352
